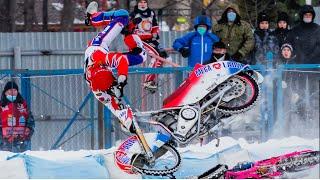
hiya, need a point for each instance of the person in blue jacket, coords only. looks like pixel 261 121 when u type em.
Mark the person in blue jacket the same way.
pixel 197 45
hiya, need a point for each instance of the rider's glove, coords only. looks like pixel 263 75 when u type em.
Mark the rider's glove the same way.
pixel 185 52
pixel 136 51
pixel 122 81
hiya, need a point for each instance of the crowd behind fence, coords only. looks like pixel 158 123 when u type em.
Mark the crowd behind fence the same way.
pixel 55 88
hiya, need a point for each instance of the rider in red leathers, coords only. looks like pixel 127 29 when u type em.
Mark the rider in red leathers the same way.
pixel 99 61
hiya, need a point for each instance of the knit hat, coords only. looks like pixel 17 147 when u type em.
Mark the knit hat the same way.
pixel 283 16
pixel 220 45
pixel 286 45
pixel 10 85
pixel 263 17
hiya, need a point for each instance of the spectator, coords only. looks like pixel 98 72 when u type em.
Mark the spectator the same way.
pixel 265 42
pixel 305 37
pixel 197 45
pixel 219 53
pixel 17 124
pixel 235 33
pixel 148 31
pixel 282 30
pixel 287 53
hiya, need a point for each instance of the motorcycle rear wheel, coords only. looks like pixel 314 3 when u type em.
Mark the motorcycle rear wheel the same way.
pixel 243 102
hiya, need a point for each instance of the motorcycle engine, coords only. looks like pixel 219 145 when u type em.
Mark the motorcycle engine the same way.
pixel 188 116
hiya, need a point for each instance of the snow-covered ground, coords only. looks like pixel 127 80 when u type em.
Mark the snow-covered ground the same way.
pixel 196 159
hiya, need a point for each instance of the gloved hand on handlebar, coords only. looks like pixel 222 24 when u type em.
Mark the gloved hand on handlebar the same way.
pixel 122 81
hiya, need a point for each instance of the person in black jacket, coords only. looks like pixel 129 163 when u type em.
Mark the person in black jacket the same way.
pixel 305 37
pixel 265 41
pixel 282 30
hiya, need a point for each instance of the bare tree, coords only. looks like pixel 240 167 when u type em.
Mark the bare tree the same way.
pixel 7 15
pixel 45 15
pixel 67 16
pixel 28 14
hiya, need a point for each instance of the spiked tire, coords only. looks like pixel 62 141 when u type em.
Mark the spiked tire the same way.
pixel 251 82
pixel 140 164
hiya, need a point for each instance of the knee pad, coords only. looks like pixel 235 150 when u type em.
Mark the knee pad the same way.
pixel 100 79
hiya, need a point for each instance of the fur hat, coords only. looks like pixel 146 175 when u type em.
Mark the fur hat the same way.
pixel 283 16
pixel 263 17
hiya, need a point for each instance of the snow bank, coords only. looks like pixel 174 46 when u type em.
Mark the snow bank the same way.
pixel 87 164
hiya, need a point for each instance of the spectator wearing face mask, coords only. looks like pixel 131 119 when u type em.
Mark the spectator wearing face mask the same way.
pixel 282 30
pixel 219 53
pixel 305 37
pixel 197 45
pixel 16 121
pixel 265 42
pixel 235 33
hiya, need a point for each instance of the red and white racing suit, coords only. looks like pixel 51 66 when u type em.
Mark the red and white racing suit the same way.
pixel 99 61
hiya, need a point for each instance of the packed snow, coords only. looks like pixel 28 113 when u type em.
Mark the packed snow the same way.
pixel 196 159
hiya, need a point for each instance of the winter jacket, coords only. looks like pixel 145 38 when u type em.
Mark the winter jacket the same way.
pixel 281 35
pixel 238 36
pixel 305 39
pixel 200 46
pixel 148 28
pixel 15 118
pixel 265 43
pixel 213 59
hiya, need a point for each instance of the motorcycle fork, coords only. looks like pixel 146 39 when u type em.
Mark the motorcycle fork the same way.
pixel 143 141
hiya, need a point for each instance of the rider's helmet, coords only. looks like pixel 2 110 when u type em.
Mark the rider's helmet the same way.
pixel 101 79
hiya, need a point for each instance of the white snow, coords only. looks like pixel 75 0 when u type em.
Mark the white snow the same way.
pixel 57 6
pixel 230 152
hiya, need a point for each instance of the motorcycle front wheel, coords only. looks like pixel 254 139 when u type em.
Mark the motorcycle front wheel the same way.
pixel 167 161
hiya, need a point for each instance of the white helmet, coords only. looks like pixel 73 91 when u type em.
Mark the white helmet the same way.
pixel 92 7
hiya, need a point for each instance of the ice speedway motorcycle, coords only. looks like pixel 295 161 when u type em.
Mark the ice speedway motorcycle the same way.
pixel 274 167
pixel 210 93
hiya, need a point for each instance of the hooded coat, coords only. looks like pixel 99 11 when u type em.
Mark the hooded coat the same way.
pixel 238 36
pixel 200 46
pixel 305 39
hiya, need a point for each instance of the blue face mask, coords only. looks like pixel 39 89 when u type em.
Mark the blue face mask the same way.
pixel 231 16
pixel 11 98
pixel 201 30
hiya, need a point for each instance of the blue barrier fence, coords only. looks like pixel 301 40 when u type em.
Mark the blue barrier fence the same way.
pixel 270 112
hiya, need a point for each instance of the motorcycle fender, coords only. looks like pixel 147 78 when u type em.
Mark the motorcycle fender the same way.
pixel 131 146
pixel 259 77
